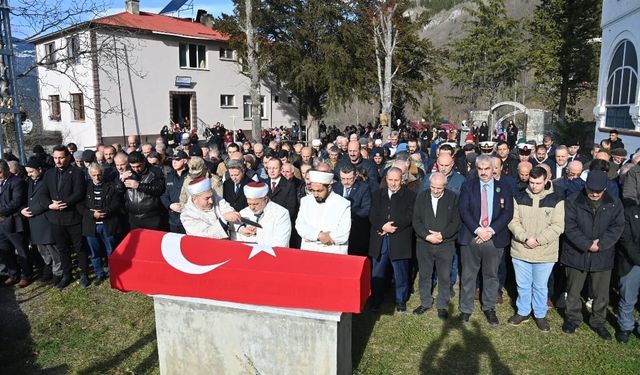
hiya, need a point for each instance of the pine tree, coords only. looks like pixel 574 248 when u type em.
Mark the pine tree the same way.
pixel 563 52
pixel 489 58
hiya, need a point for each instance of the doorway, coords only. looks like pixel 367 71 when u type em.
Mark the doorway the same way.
pixel 182 106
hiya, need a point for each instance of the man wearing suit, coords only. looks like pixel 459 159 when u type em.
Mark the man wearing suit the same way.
pixel 13 196
pixel 66 187
pixel 562 160
pixel 435 221
pixel 281 191
pixel 391 238
pixel 232 189
pixel 486 208
pixel 40 228
pixel 359 194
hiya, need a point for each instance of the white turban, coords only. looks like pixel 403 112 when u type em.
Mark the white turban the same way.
pixel 319 177
pixel 196 187
pixel 255 190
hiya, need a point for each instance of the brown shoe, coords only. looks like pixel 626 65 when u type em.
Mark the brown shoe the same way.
pixel 23 283
pixel 550 304
pixel 517 319
pixel 542 324
pixel 10 281
pixel 499 300
pixel 477 295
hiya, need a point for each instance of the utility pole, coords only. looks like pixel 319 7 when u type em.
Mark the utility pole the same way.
pixel 9 105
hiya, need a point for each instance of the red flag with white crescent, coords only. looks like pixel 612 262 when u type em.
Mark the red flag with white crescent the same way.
pixel 153 262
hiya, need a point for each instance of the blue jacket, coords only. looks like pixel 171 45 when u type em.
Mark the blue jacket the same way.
pixel 360 198
pixel 172 193
pixel 469 205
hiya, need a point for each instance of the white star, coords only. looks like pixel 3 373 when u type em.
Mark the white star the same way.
pixel 258 248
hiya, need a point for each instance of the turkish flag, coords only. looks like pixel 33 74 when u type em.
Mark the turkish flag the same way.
pixel 153 262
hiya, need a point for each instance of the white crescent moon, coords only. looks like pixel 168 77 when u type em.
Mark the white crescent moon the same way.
pixel 172 253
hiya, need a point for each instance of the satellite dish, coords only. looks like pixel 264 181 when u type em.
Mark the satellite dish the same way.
pixel 27 126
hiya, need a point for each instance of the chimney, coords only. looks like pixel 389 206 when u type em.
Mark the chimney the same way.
pixel 132 6
pixel 207 20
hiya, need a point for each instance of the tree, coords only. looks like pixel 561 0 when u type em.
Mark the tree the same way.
pixel 244 28
pixel 563 52
pixel 385 38
pixel 405 63
pixel 489 58
pixel 313 49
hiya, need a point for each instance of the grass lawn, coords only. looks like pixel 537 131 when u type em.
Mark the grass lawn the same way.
pixel 102 331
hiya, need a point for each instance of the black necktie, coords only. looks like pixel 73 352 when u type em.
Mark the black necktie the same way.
pixel 258 216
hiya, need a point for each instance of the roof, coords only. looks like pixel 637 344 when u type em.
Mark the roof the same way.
pixel 155 23
pixel 161 24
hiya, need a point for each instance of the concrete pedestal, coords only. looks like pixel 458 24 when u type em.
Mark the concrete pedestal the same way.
pixel 199 336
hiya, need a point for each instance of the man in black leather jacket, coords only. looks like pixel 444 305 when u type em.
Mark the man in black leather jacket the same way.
pixel 143 185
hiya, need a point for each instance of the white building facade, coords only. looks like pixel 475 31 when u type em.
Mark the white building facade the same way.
pixel 135 72
pixel 618 100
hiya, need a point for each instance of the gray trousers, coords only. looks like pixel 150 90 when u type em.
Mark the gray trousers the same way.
pixel 442 257
pixel 599 287
pixel 472 257
pixel 51 257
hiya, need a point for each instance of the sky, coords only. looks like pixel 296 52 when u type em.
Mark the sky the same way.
pixel 22 29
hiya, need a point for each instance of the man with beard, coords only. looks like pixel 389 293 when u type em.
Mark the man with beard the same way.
pixel 355 158
pixel 509 161
pixel 206 214
pixel 324 219
pixel 275 226
pixel 142 186
pixel 66 187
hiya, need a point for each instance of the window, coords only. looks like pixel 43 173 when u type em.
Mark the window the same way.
pixel 50 54
pixel 73 49
pixel 227 101
pixel 54 107
pixel 246 106
pixel 622 86
pixel 77 106
pixel 193 56
pixel 226 54
pixel 276 99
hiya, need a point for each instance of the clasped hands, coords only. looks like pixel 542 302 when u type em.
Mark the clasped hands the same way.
pixel 325 238
pixel 483 235
pixel 434 237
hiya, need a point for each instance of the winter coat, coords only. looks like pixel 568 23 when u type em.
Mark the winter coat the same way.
pixel 581 227
pixel 539 216
pixel 629 247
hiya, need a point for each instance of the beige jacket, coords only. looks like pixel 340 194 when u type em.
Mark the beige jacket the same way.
pixel 539 216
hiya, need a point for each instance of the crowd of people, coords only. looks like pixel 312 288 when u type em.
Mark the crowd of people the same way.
pixel 417 203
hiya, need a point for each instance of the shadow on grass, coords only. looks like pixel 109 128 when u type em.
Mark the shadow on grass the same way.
pixel 464 357
pixel 108 364
pixel 17 349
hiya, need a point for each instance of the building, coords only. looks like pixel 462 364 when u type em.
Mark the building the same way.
pixel 135 72
pixel 617 105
